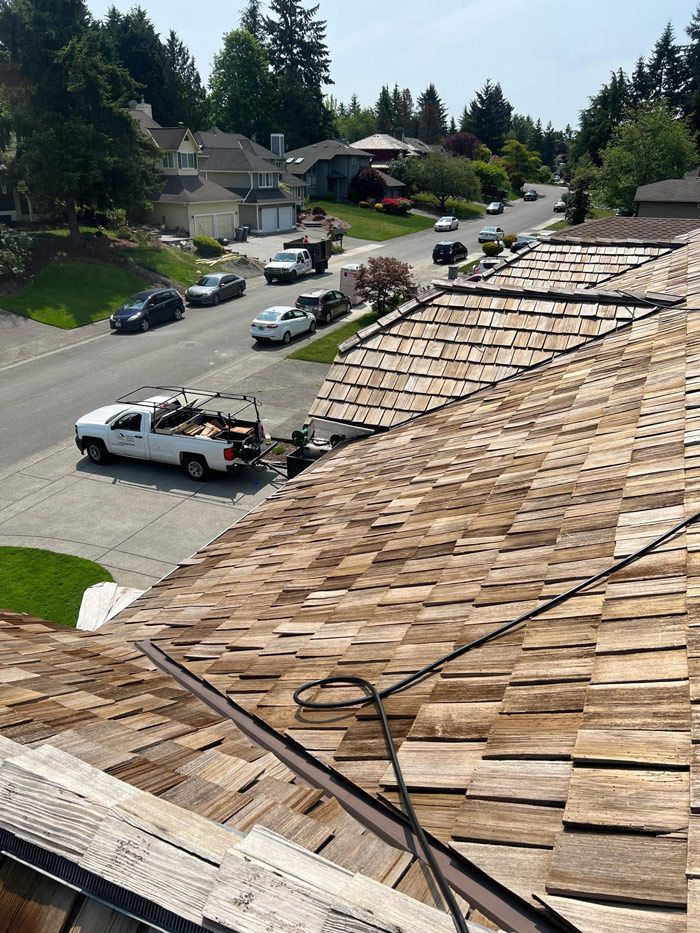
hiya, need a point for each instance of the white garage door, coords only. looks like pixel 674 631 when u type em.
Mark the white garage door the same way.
pixel 204 225
pixel 287 218
pixel 268 219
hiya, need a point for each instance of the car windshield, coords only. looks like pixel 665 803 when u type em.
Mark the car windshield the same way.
pixel 445 220
pixel 268 316
pixel 209 280
pixel 495 204
pixel 284 257
pixel 134 304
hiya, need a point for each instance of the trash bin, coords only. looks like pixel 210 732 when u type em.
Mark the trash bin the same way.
pixel 245 231
pixel 238 234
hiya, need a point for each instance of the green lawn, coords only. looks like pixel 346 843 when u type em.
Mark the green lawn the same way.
pixel 324 349
pixel 72 292
pixel 46 584
pixel 174 264
pixel 368 224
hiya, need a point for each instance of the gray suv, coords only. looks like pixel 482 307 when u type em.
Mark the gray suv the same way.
pixel 324 304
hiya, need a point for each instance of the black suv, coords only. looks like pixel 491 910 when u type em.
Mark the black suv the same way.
pixel 144 309
pixel 324 304
pixel 449 251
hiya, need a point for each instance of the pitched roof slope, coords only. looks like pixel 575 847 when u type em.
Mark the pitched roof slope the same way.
pixel 676 272
pixel 671 191
pixel 630 228
pixel 325 150
pixel 557 758
pixel 461 339
pixel 560 263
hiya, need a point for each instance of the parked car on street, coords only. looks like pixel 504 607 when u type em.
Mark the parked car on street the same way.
pixel 446 223
pixel 215 287
pixel 491 234
pixel 495 207
pixel 282 323
pixel 324 304
pixel 449 251
pixel 190 428
pixel 560 206
pixel 522 241
pixel 144 309
pixel 530 195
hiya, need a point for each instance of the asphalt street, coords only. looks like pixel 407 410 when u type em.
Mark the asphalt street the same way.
pixel 42 397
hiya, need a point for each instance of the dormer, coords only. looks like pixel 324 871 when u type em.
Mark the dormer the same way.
pixel 180 152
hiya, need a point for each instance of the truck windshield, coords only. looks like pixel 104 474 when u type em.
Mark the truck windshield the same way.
pixel 285 257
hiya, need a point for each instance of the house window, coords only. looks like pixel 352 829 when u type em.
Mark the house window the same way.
pixel 187 159
pixel 311 180
pixel 266 180
pixel 168 160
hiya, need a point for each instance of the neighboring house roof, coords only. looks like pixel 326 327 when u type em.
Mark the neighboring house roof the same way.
pixel 236 159
pixel 463 338
pixel 218 139
pixel 144 120
pixel 382 141
pixel 392 182
pixel 168 138
pixel 179 189
pixel 293 181
pixel 560 262
pixel 671 191
pixel 324 151
pixel 264 195
pixel 647 229
pixel 420 146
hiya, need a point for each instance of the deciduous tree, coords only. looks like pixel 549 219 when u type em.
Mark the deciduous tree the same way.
pixel 445 177
pixel 521 164
pixel 652 147
pixel 462 144
pixel 384 282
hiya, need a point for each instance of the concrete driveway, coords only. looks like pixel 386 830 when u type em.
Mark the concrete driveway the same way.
pixel 138 520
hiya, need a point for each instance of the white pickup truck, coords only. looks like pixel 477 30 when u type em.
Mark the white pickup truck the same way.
pixel 184 427
pixel 298 258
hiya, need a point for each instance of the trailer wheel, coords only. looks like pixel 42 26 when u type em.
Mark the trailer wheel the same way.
pixel 195 467
pixel 96 451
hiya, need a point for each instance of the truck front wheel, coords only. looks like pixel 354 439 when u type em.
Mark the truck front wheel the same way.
pixel 96 451
pixel 196 468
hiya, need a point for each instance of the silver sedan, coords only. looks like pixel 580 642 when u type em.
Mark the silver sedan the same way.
pixel 446 223
pixel 281 324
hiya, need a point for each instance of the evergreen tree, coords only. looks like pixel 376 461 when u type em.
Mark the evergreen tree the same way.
pixel 73 108
pixel 606 111
pixel 189 94
pixel 301 66
pixel 242 90
pixel 136 46
pixel 488 116
pixel 252 20
pixel 452 129
pixel 549 145
pixel 692 62
pixel 432 116
pixel 384 111
pixel 522 128
pixel 667 71
pixel 353 122
pixel 640 83
pixel 537 141
pixel 406 114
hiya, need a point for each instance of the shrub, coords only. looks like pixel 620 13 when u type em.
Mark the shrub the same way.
pixel 492 249
pixel 398 206
pixel 509 239
pixel 15 249
pixel 379 206
pixel 207 246
pixel 368 183
pixel 363 204
pixel 319 211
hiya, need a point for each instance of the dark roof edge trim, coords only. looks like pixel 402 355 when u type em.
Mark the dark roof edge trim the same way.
pixel 493 899
pixel 67 873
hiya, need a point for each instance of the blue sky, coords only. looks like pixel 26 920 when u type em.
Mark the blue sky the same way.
pixel 549 56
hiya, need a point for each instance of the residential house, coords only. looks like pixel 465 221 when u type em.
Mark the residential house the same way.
pixel 385 149
pixel 269 196
pixel 15 207
pixel 393 188
pixel 674 197
pixel 327 167
pixel 187 201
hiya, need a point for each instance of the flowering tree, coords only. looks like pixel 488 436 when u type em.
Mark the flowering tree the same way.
pixel 384 282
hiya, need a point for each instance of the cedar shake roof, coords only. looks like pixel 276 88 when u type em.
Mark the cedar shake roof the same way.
pixel 655 229
pixel 459 340
pixel 562 263
pixel 556 758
